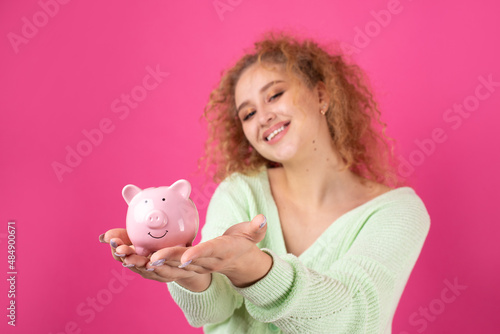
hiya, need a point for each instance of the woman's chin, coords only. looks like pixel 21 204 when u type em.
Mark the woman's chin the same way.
pixel 283 154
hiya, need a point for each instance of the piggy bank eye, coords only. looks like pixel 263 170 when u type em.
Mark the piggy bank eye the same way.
pixel 163 199
pixel 142 208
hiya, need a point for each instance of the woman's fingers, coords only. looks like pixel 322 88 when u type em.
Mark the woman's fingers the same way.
pixel 135 260
pixel 124 250
pixel 202 265
pixel 170 254
pixel 164 264
pixel 118 239
pixel 254 230
pixel 259 228
pixel 216 255
pixel 209 249
pixel 119 233
pixel 114 244
pixel 165 273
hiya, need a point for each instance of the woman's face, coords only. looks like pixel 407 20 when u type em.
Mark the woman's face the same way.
pixel 281 118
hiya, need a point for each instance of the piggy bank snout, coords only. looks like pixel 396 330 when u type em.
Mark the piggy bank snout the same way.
pixel 156 219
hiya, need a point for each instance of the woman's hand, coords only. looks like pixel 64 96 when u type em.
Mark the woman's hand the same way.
pixel 160 266
pixel 234 254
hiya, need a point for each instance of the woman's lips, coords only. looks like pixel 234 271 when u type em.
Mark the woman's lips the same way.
pixel 274 134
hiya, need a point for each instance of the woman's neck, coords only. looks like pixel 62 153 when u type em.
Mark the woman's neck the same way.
pixel 320 180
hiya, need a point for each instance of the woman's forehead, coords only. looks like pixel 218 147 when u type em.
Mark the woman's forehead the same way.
pixel 261 72
pixel 259 76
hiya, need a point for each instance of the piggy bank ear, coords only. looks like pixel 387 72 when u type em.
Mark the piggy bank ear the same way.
pixel 182 187
pixel 129 191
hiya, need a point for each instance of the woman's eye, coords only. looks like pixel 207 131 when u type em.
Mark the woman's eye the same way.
pixel 250 114
pixel 275 96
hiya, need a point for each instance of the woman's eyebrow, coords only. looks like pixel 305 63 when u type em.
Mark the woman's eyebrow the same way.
pixel 263 89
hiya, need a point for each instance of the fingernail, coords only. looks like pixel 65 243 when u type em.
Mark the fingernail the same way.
pixel 150 269
pixel 113 244
pixel 101 238
pixel 185 264
pixel 120 255
pixel 263 223
pixel 158 262
pixel 130 265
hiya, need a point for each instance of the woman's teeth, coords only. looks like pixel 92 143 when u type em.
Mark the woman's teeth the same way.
pixel 275 132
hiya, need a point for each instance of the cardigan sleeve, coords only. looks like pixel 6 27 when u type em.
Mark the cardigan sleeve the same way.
pixel 220 300
pixel 359 292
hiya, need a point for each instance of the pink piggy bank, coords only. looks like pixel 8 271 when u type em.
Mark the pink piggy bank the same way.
pixel 160 217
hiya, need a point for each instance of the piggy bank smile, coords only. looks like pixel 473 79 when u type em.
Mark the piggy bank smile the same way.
pixel 152 236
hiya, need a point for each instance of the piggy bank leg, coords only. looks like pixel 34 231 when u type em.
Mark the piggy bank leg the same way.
pixel 141 251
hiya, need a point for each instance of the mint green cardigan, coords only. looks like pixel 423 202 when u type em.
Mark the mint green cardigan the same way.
pixel 349 280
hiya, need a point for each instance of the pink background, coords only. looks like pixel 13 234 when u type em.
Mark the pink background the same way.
pixel 67 75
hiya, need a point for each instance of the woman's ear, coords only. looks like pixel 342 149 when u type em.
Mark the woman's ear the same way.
pixel 323 97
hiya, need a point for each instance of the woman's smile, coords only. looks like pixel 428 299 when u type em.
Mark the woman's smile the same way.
pixel 276 132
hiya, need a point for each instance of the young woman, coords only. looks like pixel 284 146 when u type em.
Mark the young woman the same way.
pixel 308 232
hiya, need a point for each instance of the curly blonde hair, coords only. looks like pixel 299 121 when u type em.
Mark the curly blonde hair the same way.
pixel 353 116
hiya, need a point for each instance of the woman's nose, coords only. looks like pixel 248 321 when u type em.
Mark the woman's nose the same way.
pixel 266 116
